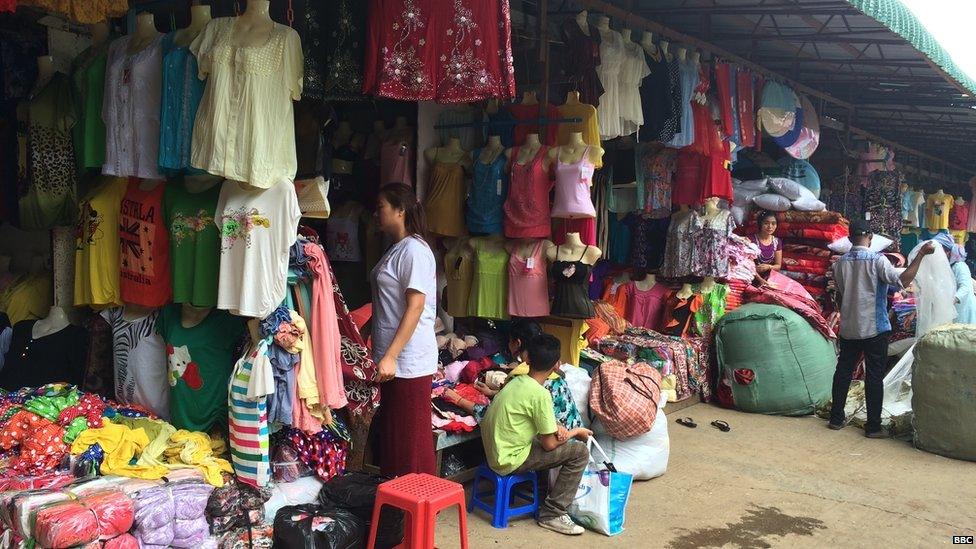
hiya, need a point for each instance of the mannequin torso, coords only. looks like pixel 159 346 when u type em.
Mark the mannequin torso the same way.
pixel 45 70
pixel 200 183
pixel 199 17
pixel 528 150
pixel 573 151
pixel 55 321
pixel 131 312
pixel 646 284
pixel 491 151
pixel 144 34
pixel 452 152
pixel 99 32
pixel 582 19
pixel 191 316
pixel 573 250
pixel 254 26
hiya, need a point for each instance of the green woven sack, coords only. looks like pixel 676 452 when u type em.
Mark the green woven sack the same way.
pixel 944 392
pixel 774 360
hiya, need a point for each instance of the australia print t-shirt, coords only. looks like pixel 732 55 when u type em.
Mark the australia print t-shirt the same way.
pixel 257 227
pixel 144 256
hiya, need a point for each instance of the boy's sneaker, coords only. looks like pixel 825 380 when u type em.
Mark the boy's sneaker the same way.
pixel 562 524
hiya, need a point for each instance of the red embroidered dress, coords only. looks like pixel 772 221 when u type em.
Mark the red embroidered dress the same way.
pixel 450 51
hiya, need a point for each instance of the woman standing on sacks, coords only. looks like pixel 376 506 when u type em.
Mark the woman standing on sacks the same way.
pixel 404 285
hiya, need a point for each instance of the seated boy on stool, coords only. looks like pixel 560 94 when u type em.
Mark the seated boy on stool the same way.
pixel 520 434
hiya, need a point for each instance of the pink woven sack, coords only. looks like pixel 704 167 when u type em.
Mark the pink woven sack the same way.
pixel 624 398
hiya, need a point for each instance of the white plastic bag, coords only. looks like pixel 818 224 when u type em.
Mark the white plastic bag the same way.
pixel 808 204
pixel 601 499
pixel 790 189
pixel 843 245
pixel 772 202
pixel 303 490
pixel 644 456
pixel 578 381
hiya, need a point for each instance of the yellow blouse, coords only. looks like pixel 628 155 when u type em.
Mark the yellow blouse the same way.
pixel 86 12
pixel 245 128
pixel 588 127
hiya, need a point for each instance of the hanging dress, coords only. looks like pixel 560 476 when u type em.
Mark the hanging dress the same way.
pixel 528 286
pixel 444 205
pixel 689 81
pixel 527 206
pixel 611 59
pixel 632 71
pixel 489 187
pixel 582 59
pixel 248 416
pixel 573 182
pixel 570 280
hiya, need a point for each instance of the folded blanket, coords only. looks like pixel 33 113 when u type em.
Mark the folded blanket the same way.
pixel 796 216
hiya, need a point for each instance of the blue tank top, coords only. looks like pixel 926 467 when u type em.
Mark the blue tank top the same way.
pixel 489 188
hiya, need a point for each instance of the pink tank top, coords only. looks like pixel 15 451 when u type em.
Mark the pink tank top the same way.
pixel 527 205
pixel 396 163
pixel 573 188
pixel 528 284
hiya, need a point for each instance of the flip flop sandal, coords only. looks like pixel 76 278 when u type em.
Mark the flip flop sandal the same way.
pixel 687 422
pixel 721 425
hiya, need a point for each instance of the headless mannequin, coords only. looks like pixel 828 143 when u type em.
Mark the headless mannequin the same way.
pixel 191 317
pixel 199 17
pixel 647 283
pixel 254 26
pixel 401 132
pixel 682 54
pixel 495 242
pixel 695 57
pixel 707 285
pixel 55 321
pixel 603 24
pixel 379 129
pixel 528 150
pixel 524 247
pixel 685 291
pixel 626 34
pixel 491 151
pixel 529 98
pixel 254 330
pixel 582 19
pixel 572 98
pixel 960 201
pixel 711 207
pixel 452 152
pixel 572 152
pixel 144 34
pixel 149 184
pixel 647 42
pixel 665 46
pixel 45 71
pixel 572 249
pixel 132 312
pixel 99 32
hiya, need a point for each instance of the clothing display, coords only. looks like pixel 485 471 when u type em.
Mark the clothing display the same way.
pixel 48 168
pixel 144 258
pixel 181 93
pixel 681 242
pixel 421 50
pixel 469 134
pixel 582 58
pixel 342 236
pixel 937 210
pixel 88 75
pixel 200 360
pixel 633 70
pixel 570 278
pixel 529 114
pixel 459 271
pixel 131 109
pixel 315 122
pixel 444 203
pixel 911 201
pixel 139 356
pixel 645 308
pixel 655 170
pixel 882 201
pixel 342 43
pixel 397 162
pixel 244 129
pixel 660 96
pixel 958 216
pixel 588 125
pixel 690 177
pixel 688 81
pixel 609 70
pixel 57 357
pixel 194 242
pixel 528 286
pixel 573 181
pixel 527 205
pixel 257 226
pixel 97 245
pixel 489 187
pixel 489 286
pixel 248 416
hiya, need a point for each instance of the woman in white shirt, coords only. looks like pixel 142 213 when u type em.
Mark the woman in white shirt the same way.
pixel 404 286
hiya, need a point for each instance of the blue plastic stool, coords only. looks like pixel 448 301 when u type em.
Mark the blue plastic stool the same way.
pixel 503 490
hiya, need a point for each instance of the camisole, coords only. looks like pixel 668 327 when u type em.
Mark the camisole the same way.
pixel 490 284
pixel 571 299
pixel 487 197
pixel 527 206
pixel 528 285
pixel 573 188
pixel 459 268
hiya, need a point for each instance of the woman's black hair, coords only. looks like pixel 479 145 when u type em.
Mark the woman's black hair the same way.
pixel 402 197
pixel 524 330
pixel 766 214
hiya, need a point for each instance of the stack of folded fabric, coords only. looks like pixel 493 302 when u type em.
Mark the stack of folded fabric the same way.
pixel 742 270
pixel 173 515
pixel 806 257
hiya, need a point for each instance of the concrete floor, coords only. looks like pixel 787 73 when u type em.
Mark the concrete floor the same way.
pixel 773 482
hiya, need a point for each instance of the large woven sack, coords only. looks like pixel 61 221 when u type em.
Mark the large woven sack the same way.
pixel 943 385
pixel 774 360
pixel 625 397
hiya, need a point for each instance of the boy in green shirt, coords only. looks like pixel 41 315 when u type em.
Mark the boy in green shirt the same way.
pixel 520 434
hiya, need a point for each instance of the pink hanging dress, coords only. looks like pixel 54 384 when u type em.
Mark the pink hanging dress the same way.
pixel 527 206
pixel 528 284
pixel 573 188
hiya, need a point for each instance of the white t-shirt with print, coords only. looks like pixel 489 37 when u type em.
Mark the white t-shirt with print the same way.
pixel 257 227
pixel 409 264
pixel 139 356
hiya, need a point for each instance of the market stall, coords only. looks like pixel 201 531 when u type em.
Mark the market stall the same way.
pixel 195 304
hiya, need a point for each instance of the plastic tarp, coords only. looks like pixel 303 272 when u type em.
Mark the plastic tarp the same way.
pixel 775 361
pixel 944 377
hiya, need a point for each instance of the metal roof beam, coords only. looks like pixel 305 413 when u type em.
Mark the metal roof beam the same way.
pixel 832 39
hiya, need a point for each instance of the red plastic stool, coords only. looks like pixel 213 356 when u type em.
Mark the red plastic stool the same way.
pixel 421 497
